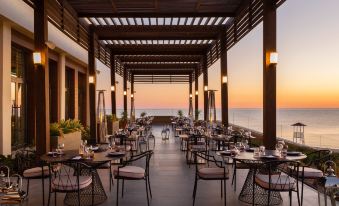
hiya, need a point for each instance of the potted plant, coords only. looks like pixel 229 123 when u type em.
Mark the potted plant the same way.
pixel 67 132
pixel 197 113
pixel 143 114
pixel 112 124
pixel 180 113
pixel 123 120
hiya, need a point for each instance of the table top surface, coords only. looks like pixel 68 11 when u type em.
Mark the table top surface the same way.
pixel 249 156
pixel 69 154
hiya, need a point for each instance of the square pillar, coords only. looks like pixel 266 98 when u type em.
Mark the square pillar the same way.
pixel 125 92
pixel 224 82
pixel 269 75
pixel 205 89
pixel 5 88
pixel 41 78
pixel 92 87
pixel 62 89
pixel 113 86
pixel 196 99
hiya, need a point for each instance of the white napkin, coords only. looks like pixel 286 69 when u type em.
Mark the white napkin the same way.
pixel 76 158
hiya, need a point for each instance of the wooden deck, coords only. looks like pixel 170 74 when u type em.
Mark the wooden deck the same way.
pixel 172 183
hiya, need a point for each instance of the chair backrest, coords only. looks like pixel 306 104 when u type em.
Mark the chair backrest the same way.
pixel 318 158
pixel 147 155
pixel 279 174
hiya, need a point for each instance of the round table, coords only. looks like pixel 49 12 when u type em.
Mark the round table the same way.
pixel 99 159
pixel 246 194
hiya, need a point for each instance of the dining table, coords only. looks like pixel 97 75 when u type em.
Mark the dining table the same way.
pixel 247 157
pixel 101 156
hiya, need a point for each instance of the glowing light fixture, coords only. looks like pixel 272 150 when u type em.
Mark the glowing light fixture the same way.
pixel 205 88
pixel 37 58
pixel 132 95
pixel 224 79
pixel 273 58
pixel 112 88
pixel 91 79
pixel 196 92
pixel 191 95
pixel 125 93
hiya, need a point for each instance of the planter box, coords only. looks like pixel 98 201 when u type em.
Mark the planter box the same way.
pixel 112 127
pixel 71 141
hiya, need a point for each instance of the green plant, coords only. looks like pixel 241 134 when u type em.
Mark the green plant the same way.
pixel 123 116
pixel 143 114
pixel 67 126
pixel 85 133
pixel 111 118
pixel 197 113
pixel 54 130
pixel 180 113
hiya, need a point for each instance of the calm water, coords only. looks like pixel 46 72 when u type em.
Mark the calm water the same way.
pixel 322 124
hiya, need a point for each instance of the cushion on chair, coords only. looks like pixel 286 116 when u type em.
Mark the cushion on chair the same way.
pixel 212 173
pixel 130 172
pixel 69 183
pixel 309 173
pixel 278 182
pixel 198 147
pixel 36 172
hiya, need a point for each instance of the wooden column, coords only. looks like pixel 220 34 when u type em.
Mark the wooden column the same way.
pixel 113 87
pixel 205 79
pixel 224 83
pixel 132 91
pixel 92 86
pixel 125 91
pixel 196 101
pixel 41 78
pixel 269 75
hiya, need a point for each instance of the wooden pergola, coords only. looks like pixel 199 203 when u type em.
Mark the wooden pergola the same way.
pixel 156 41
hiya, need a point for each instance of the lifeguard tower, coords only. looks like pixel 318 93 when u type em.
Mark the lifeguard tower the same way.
pixel 298 132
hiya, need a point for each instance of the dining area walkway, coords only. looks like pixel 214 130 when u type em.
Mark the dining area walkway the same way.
pixel 172 182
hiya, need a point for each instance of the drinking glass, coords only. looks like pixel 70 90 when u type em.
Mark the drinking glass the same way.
pixel 262 150
pixel 256 152
pixel 279 148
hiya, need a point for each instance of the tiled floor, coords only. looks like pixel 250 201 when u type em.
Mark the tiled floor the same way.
pixel 172 183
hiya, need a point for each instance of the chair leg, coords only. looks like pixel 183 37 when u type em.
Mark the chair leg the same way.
pixel 117 196
pixel 302 191
pixel 49 198
pixel 290 196
pixel 147 192
pixel 221 188
pixel 195 191
pixel 27 189
pixel 123 188
pixel 149 187
pixel 225 192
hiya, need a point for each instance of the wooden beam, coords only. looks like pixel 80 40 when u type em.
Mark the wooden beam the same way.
pixel 269 75
pixel 41 78
pixel 224 85
pixel 113 85
pixel 156 14
pixel 161 32
pixel 159 58
pixel 92 87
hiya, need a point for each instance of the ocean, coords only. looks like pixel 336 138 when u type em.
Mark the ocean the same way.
pixel 322 128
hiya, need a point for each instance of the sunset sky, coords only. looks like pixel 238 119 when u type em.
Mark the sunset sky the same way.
pixel 307 72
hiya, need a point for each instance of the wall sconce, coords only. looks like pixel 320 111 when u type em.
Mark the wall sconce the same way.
pixel 273 58
pixel 125 93
pixel 91 79
pixel 205 88
pixel 132 95
pixel 37 57
pixel 196 92
pixel 112 88
pixel 191 95
pixel 224 79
